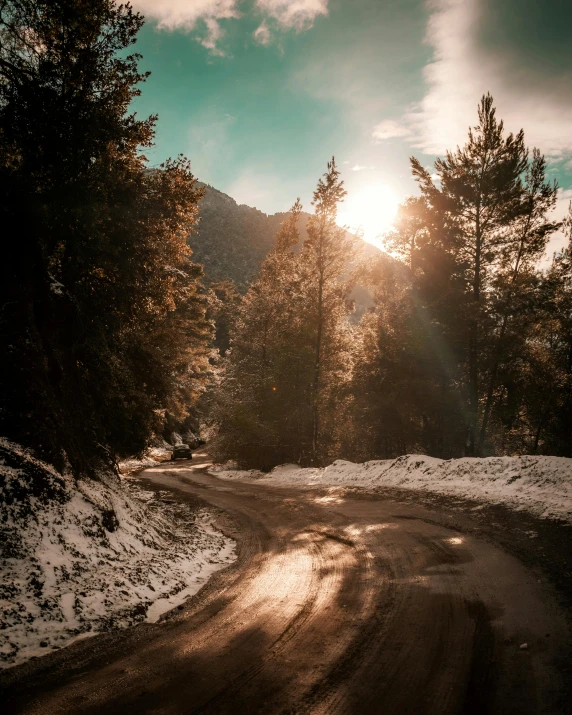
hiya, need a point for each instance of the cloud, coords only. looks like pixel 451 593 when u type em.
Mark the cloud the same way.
pixel 210 142
pixel 206 16
pixel 188 14
pixel 390 129
pixel 262 34
pixel 477 48
pixel 293 14
pixel 284 15
pixel 359 167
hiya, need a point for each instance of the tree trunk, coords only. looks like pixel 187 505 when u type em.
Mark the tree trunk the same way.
pixel 318 356
pixel 474 346
pixel 491 388
pixel 316 381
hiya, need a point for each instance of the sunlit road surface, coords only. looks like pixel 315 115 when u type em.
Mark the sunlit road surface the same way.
pixel 336 604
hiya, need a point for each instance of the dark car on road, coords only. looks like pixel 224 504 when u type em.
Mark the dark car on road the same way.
pixel 181 451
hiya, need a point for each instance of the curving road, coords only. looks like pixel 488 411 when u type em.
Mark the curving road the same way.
pixel 337 604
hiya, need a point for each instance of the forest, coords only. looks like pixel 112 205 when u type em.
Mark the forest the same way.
pixel 112 330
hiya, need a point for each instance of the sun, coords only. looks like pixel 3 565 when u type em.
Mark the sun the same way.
pixel 370 211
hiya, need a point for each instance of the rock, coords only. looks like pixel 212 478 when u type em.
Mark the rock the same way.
pixel 43 644
pixel 524 646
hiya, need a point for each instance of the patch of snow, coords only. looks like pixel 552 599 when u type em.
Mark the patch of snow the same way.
pixel 152 457
pixel 540 485
pixel 82 557
pixel 209 566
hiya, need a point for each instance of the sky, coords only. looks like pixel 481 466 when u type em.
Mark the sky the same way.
pixel 260 94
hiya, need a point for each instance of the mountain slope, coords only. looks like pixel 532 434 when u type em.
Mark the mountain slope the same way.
pixel 232 239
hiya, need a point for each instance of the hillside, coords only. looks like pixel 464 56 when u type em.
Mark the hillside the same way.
pixel 232 239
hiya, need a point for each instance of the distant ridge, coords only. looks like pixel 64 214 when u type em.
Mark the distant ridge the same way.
pixel 232 239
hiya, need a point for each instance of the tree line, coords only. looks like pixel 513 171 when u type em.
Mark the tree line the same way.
pixel 102 315
pixel 108 335
pixel 467 350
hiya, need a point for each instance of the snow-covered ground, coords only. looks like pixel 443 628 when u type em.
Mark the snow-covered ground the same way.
pixel 153 457
pixel 81 557
pixel 540 485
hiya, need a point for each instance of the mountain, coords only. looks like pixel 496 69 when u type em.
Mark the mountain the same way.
pixel 232 239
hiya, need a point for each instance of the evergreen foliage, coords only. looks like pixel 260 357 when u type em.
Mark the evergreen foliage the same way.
pixel 102 319
pixel 548 369
pixel 230 241
pixel 466 323
pixel 283 395
pixel 467 349
pixel 323 261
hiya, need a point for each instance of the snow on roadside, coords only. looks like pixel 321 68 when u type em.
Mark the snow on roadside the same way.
pixel 81 557
pixel 153 457
pixel 540 485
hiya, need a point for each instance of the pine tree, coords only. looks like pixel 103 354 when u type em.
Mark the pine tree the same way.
pixel 406 381
pixel 468 298
pixel 261 398
pixel 283 394
pixel 493 224
pixel 514 277
pixel 325 256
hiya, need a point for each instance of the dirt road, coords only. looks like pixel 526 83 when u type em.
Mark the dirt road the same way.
pixel 336 604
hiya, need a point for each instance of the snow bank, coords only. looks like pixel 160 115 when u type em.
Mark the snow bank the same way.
pixel 540 485
pixel 77 558
pixel 152 457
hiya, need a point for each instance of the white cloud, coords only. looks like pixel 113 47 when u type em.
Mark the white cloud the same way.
pixel 358 167
pixel 185 14
pixel 262 34
pixel 463 69
pixel 188 14
pixel 206 15
pixel 390 129
pixel 293 14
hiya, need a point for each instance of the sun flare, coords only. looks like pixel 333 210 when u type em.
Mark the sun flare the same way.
pixel 370 211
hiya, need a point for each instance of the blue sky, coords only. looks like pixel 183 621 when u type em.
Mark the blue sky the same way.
pixel 259 94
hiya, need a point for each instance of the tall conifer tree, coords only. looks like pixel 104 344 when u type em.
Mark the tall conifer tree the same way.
pixel 262 395
pixel 491 220
pixel 282 395
pixel 326 254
